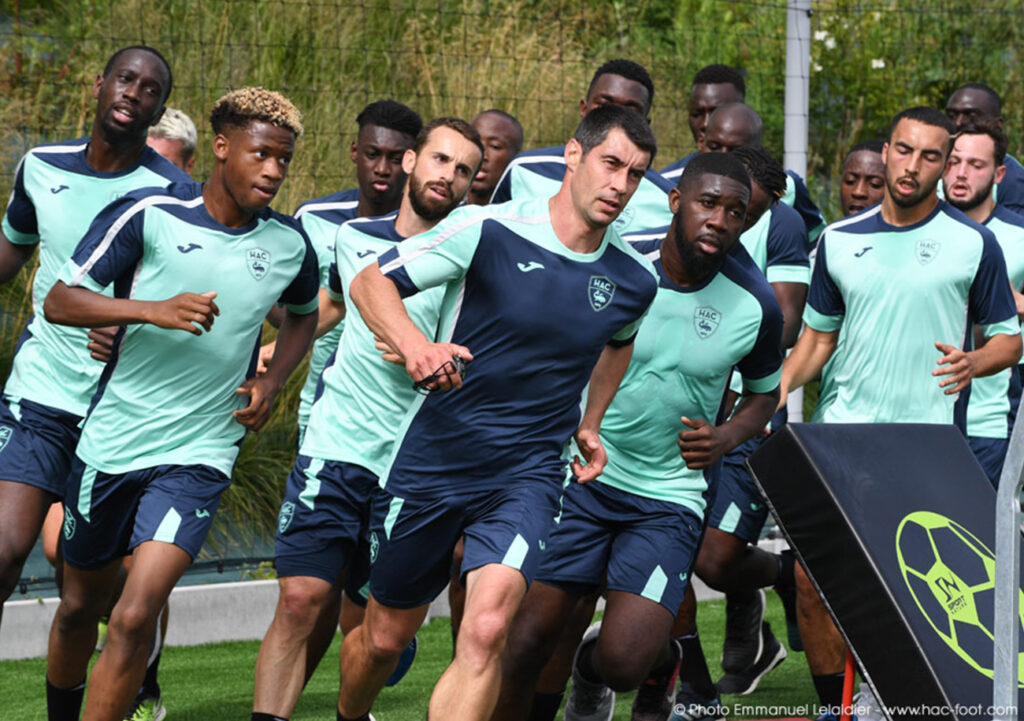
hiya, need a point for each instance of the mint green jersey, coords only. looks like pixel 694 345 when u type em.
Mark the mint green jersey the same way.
pixel 167 396
pixel 682 360
pixel 320 219
pixel 988 405
pixel 364 397
pixel 56 196
pixel 891 293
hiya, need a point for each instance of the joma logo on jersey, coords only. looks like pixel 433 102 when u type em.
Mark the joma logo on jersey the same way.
pixel 600 291
pixel 257 261
pixel 706 320
pixel 927 249
pixel 5 435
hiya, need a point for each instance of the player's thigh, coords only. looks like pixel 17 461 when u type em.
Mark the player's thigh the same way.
pixel 634 630
pixel 22 510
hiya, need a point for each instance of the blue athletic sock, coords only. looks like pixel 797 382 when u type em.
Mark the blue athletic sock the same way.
pixel 64 704
pixel 266 717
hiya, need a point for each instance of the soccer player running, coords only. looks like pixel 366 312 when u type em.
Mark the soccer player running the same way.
pixel 977 102
pixel 538 173
pixel 976 165
pixel 58 188
pixel 502 136
pixel 322 529
pixel 889 289
pixel 640 524
pixel 160 439
pixel 540 296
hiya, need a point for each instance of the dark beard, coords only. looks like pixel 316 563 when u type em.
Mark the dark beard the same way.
pixel 425 208
pixel 696 265
pixel 972 202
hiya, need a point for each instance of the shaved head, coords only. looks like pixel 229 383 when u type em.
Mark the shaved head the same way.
pixel 732 126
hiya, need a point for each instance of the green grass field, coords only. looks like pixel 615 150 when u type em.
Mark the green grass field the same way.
pixel 209 683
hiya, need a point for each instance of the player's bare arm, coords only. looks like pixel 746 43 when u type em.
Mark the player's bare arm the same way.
pixel 791 298
pixel 703 444
pixel 999 352
pixel 806 360
pixel 77 306
pixel 13 257
pixel 604 382
pixel 293 340
pixel 382 309
pixel 330 313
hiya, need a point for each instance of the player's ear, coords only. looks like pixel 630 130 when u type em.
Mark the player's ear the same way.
pixel 97 84
pixel 573 153
pixel 221 146
pixel 675 198
pixel 1000 174
pixel 885 152
pixel 353 151
pixel 409 161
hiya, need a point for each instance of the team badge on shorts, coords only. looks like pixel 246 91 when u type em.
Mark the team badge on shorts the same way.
pixel 257 261
pixel 5 435
pixel 374 547
pixel 706 320
pixel 927 249
pixel 284 518
pixel 69 524
pixel 600 291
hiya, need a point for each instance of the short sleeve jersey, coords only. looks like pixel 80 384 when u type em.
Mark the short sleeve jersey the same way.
pixel 320 219
pixel 538 174
pixel 167 396
pixel 536 316
pixel 56 195
pixel 891 293
pixel 685 351
pixel 988 406
pixel 364 397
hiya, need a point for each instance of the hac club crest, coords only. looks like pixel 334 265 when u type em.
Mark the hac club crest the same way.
pixel 600 291
pixel 69 524
pixel 284 518
pixel 5 436
pixel 706 320
pixel 926 250
pixel 257 261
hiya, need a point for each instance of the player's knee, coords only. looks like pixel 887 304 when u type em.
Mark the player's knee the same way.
pixel 12 560
pixel 620 672
pixel 78 609
pixel 133 623
pixel 300 604
pixel 712 573
pixel 385 645
pixel 484 634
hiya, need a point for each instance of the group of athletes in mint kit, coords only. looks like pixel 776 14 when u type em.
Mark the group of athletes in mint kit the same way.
pixel 540 400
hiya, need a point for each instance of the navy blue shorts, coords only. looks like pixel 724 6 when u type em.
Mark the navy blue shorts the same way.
pixel 107 515
pixel 37 444
pixel 737 506
pixel 991 453
pixel 640 545
pixel 323 526
pixel 412 539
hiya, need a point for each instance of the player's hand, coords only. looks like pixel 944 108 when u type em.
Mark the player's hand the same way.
pixel 266 355
pixel 436 358
pixel 261 394
pixel 595 458
pixel 101 342
pixel 387 352
pixel 191 312
pixel 958 366
pixel 702 445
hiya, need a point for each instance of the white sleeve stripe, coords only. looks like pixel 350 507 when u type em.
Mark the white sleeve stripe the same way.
pixel 673 174
pixel 118 224
pixel 653 255
pixel 401 260
pixel 853 219
pixel 311 207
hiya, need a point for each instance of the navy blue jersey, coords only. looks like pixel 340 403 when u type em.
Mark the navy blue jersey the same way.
pixel 536 317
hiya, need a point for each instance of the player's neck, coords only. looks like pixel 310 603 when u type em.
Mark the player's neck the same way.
pixel 409 222
pixel 110 155
pixel 983 210
pixel 673 264
pixel 474 198
pixel 570 228
pixel 897 215
pixel 221 205
pixel 366 209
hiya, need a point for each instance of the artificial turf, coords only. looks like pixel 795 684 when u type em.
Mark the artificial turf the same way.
pixel 214 682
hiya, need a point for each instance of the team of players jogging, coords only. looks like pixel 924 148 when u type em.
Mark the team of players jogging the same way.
pixel 534 380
